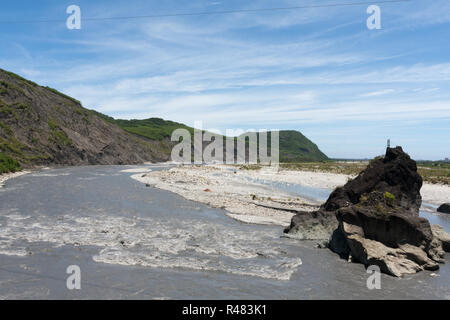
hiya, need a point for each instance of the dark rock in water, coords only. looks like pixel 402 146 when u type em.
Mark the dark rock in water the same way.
pixel 444 208
pixel 377 219
pixel 395 239
pixel 396 173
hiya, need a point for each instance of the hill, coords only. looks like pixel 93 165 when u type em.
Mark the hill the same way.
pixel 294 146
pixel 153 128
pixel 41 126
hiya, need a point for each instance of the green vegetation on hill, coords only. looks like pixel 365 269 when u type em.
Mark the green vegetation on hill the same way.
pixel 295 147
pixel 8 164
pixel 19 78
pixel 63 95
pixel 153 128
pixel 103 116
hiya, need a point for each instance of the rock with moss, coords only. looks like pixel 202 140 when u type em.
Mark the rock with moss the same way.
pixel 377 219
pixel 383 226
pixel 395 175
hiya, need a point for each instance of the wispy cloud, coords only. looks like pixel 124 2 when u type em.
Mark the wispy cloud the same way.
pixel 378 93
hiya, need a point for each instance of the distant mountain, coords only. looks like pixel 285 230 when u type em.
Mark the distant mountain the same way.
pixel 41 126
pixel 295 147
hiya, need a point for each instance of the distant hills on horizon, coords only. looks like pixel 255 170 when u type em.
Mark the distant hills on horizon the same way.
pixel 294 146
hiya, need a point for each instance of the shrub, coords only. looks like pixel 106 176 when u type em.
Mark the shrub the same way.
pixel 389 198
pixel 60 137
pixel 6 128
pixel 57 135
pixel 8 164
pixel 375 159
pixel 52 124
pixel 22 106
pixel 7 111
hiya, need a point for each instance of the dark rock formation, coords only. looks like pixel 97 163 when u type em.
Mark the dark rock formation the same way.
pixel 387 235
pixel 396 173
pixel 444 208
pixel 377 218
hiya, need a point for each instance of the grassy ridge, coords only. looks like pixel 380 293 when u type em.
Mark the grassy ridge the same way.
pixel 153 128
pixel 294 146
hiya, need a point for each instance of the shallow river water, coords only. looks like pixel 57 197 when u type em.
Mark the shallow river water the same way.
pixel 134 242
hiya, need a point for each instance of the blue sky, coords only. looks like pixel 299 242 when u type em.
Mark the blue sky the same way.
pixel 319 71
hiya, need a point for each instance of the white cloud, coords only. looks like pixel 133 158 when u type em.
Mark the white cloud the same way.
pixel 378 93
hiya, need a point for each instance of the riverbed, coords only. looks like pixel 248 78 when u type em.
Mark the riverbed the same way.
pixel 133 241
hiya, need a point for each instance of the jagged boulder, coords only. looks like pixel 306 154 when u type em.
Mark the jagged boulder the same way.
pixel 444 208
pixel 397 240
pixel 377 219
pixel 396 173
